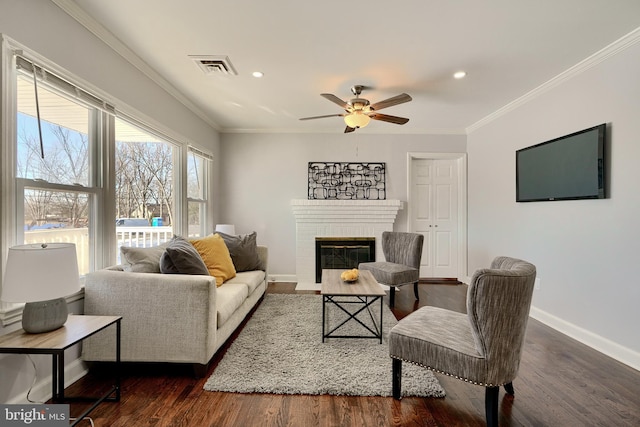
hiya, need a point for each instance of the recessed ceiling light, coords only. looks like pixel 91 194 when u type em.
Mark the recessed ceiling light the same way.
pixel 459 74
pixel 257 74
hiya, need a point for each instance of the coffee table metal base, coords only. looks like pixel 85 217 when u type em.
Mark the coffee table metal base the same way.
pixel 342 302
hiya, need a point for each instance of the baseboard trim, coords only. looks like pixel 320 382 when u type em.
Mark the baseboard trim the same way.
pixel 283 278
pixel 41 391
pixel 603 345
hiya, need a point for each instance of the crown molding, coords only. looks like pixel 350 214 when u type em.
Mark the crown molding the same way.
pixel 433 131
pixel 72 9
pixel 603 54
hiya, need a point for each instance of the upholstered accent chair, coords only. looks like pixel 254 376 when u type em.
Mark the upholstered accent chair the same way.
pixel 402 253
pixel 482 347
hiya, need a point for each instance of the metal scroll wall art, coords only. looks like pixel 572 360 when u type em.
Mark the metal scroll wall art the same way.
pixel 346 181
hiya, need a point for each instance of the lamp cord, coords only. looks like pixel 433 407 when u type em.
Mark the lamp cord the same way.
pixel 33 383
pixel 35 378
pixel 85 418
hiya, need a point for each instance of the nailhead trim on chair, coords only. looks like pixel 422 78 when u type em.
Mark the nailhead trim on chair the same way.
pixel 448 374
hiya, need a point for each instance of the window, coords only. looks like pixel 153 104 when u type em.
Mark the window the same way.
pixel 144 184
pixel 197 190
pixel 56 193
pixel 72 169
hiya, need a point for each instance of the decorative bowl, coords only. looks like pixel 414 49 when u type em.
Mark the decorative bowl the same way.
pixel 350 276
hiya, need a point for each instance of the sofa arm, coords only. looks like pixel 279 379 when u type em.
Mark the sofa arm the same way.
pixel 165 317
pixel 263 255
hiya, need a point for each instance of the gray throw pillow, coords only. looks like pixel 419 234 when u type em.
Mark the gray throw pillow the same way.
pixel 142 260
pixel 243 250
pixel 180 257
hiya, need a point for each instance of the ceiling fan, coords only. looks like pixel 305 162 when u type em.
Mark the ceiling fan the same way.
pixel 358 111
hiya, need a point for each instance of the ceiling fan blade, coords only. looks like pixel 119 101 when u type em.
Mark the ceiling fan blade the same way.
pixel 335 99
pixel 387 118
pixel 322 117
pixel 349 129
pixel 398 99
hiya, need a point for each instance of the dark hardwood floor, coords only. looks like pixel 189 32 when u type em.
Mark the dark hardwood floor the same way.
pixel 561 383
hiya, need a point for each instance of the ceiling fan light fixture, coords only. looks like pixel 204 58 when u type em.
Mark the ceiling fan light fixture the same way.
pixel 358 112
pixel 357 119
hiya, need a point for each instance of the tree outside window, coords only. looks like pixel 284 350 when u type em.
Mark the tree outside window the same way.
pixel 53 177
pixel 144 187
pixel 197 180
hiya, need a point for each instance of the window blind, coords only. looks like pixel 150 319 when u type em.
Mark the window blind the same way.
pixel 197 152
pixel 61 85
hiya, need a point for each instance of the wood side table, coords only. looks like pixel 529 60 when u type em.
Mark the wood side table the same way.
pixel 76 329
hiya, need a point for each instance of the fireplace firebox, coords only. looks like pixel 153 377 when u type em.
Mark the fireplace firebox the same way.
pixel 343 252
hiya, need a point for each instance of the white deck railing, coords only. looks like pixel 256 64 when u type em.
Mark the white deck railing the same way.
pixel 138 237
pixel 143 237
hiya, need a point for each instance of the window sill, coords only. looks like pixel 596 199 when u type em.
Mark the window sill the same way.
pixel 12 313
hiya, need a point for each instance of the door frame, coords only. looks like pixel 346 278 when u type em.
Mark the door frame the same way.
pixel 462 200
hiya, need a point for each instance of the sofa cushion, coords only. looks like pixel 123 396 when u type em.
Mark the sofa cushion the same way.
pixel 229 297
pixel 180 257
pixel 216 257
pixel 250 278
pixel 142 260
pixel 243 250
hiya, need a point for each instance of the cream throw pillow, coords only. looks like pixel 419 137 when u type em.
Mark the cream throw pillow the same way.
pixel 142 260
pixel 215 255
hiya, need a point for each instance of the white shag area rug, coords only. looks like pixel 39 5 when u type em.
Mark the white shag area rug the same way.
pixel 280 351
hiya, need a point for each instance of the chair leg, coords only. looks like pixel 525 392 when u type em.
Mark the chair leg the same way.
pixel 415 291
pixel 491 405
pixel 396 367
pixel 392 296
pixel 509 388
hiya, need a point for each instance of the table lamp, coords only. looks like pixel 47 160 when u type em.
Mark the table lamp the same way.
pixel 41 275
pixel 229 229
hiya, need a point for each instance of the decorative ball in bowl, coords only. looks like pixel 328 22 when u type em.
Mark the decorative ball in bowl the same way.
pixel 350 276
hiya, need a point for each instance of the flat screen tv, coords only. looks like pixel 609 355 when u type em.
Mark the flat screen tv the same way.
pixel 567 168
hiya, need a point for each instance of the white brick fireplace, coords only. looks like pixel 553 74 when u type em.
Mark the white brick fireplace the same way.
pixel 338 218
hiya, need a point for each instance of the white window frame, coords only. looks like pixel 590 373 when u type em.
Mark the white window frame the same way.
pixel 205 202
pixel 102 187
pixel 179 171
pixel 13 188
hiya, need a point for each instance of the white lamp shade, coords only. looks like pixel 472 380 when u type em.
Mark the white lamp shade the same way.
pixel 40 272
pixel 229 229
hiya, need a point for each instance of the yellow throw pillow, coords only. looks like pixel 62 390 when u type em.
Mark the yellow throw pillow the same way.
pixel 216 257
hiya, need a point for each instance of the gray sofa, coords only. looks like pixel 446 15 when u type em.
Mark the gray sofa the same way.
pixel 175 318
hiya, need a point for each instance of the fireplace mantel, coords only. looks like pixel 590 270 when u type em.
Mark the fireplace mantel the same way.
pixel 338 218
pixel 331 211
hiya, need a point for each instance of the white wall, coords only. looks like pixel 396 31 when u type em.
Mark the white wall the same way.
pixel 586 252
pixel 44 28
pixel 262 173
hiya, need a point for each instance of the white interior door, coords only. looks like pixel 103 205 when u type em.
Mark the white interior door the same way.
pixel 434 213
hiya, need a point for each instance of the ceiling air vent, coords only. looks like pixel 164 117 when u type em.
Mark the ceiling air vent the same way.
pixel 215 64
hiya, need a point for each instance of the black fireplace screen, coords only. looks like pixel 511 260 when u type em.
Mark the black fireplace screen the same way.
pixel 346 181
pixel 343 253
